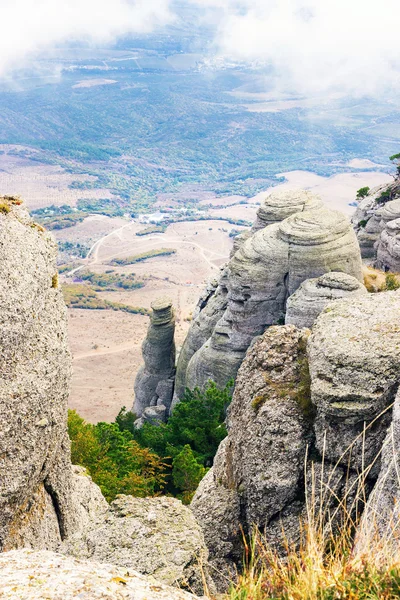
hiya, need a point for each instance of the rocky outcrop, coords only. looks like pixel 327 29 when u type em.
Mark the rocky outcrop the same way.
pixel 258 469
pixel 379 531
pixel 371 215
pixel 36 508
pixel 279 205
pixel 354 355
pixel 155 536
pixel 33 575
pixel 269 267
pixel 304 306
pixel 154 384
pixel 209 310
pixel 335 400
pixel 388 247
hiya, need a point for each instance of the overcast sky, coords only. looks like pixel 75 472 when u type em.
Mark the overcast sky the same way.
pixel 316 47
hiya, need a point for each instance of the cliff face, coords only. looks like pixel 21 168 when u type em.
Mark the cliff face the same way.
pixel 268 266
pixel 45 503
pixel 287 399
pixel 35 366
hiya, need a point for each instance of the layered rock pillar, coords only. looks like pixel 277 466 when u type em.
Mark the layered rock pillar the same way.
pixel 154 384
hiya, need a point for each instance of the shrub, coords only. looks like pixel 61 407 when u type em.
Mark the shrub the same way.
pixel 392 282
pixel 362 192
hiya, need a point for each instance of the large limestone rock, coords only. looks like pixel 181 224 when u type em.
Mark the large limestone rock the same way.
pixel 33 575
pixel 353 360
pixel 279 205
pixel 154 384
pixel 379 531
pixel 354 355
pixel 304 306
pixel 367 219
pixel 269 267
pixel 209 310
pixel 388 247
pixel 35 365
pixel 155 536
pixel 258 469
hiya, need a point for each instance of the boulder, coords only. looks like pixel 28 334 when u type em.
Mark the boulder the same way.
pixel 154 381
pixel 259 468
pixel 304 306
pixel 155 536
pixel 354 356
pixel 36 507
pixel 35 575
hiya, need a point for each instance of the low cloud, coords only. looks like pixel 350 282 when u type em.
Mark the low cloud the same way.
pixel 30 27
pixel 314 47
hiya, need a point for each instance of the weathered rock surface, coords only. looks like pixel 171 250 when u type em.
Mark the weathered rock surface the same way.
pixel 354 355
pixel 33 575
pixel 367 219
pixel 380 525
pixel 154 382
pixel 388 247
pixel 258 469
pixel 155 536
pixel 35 365
pixel 269 267
pixel 304 306
pixel 209 310
pixel 279 205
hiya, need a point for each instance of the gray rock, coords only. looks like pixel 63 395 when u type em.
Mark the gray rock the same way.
pixel 268 268
pixel 259 468
pixel 279 205
pixel 367 219
pixel 35 368
pixel 158 350
pixel 33 575
pixel 388 247
pixel 155 536
pixel 380 525
pixel 209 310
pixel 89 502
pixel 354 355
pixel 304 306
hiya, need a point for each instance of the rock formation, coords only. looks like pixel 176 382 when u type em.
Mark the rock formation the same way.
pixel 155 536
pixel 304 306
pixel 45 503
pixel 33 575
pixel 35 367
pixel 268 267
pixel 372 214
pixel 154 384
pixel 380 525
pixel 279 205
pixel 353 358
pixel 388 247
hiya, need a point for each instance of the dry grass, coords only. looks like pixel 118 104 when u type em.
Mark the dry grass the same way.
pixel 326 564
pixel 379 281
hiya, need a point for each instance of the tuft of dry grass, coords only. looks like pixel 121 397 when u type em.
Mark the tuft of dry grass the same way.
pixel 379 281
pixel 325 564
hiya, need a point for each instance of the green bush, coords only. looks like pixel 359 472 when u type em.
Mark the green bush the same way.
pixel 362 192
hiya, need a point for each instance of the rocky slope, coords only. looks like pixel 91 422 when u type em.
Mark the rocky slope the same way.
pixel 287 399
